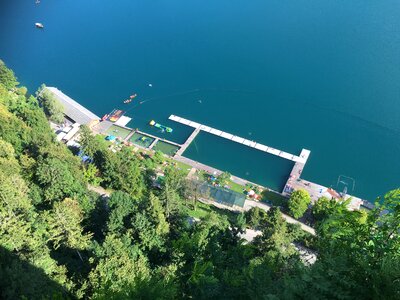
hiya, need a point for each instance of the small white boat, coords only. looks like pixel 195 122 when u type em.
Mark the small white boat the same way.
pixel 39 25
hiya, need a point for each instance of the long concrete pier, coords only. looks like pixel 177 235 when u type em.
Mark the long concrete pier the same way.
pixel 188 141
pixel 237 139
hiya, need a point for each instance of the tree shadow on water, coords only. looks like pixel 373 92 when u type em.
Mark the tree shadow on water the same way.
pixel 21 280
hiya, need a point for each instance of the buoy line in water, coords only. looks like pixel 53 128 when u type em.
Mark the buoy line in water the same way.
pixel 159 98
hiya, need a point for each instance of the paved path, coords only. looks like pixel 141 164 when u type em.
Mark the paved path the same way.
pixel 99 190
pixel 250 203
pixel 308 256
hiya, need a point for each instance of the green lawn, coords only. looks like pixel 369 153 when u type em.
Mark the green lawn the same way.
pixel 203 210
pixel 184 167
pixel 236 187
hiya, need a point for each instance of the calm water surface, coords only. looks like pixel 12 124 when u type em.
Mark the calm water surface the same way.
pixel 322 75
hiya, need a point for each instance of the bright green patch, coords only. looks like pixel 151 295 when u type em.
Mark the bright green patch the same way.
pixel 203 210
pixel 236 187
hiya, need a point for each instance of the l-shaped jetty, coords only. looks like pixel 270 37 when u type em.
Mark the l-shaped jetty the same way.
pixel 252 144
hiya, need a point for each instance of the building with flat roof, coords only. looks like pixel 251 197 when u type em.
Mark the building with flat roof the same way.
pixel 73 110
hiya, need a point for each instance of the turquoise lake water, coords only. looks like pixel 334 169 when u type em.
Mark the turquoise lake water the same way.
pixel 321 75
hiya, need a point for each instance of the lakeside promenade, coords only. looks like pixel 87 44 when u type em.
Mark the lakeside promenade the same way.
pixel 294 181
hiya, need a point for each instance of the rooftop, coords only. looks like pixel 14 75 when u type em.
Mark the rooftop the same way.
pixel 72 109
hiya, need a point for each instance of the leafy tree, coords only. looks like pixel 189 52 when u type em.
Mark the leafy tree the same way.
pixel 256 217
pixel 224 178
pixel 155 287
pixel 145 232
pixel 65 228
pixel 57 180
pixel 193 190
pixel 34 117
pixel 130 175
pixel 7 77
pixel 298 203
pixel 156 213
pixel 202 282
pixel 122 206
pixel 117 265
pixel 159 157
pixel 90 144
pixel 173 188
pixel 13 130
pixel 8 163
pixel 51 106
pixel 20 279
pixel 120 171
pixel 275 243
pixel 324 208
pixel 91 175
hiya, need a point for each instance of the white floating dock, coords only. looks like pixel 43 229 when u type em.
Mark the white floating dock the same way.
pixel 298 159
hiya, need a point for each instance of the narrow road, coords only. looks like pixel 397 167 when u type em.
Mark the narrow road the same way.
pixel 248 204
pixel 99 190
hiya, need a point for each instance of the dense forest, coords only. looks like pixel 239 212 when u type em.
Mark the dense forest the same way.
pixel 61 240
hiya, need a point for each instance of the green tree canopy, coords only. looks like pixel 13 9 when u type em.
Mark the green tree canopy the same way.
pixel 298 203
pixel 7 77
pixel 51 106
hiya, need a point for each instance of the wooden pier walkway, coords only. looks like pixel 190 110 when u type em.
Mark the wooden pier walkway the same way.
pixel 240 140
pixel 188 141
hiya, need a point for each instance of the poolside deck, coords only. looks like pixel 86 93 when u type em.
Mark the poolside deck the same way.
pixel 237 139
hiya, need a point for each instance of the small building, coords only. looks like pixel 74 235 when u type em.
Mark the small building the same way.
pixel 73 111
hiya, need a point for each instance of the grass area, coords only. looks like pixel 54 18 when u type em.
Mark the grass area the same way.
pixel 203 210
pixel 118 131
pixel 236 187
pixel 166 148
pixel 141 140
pixel 182 166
